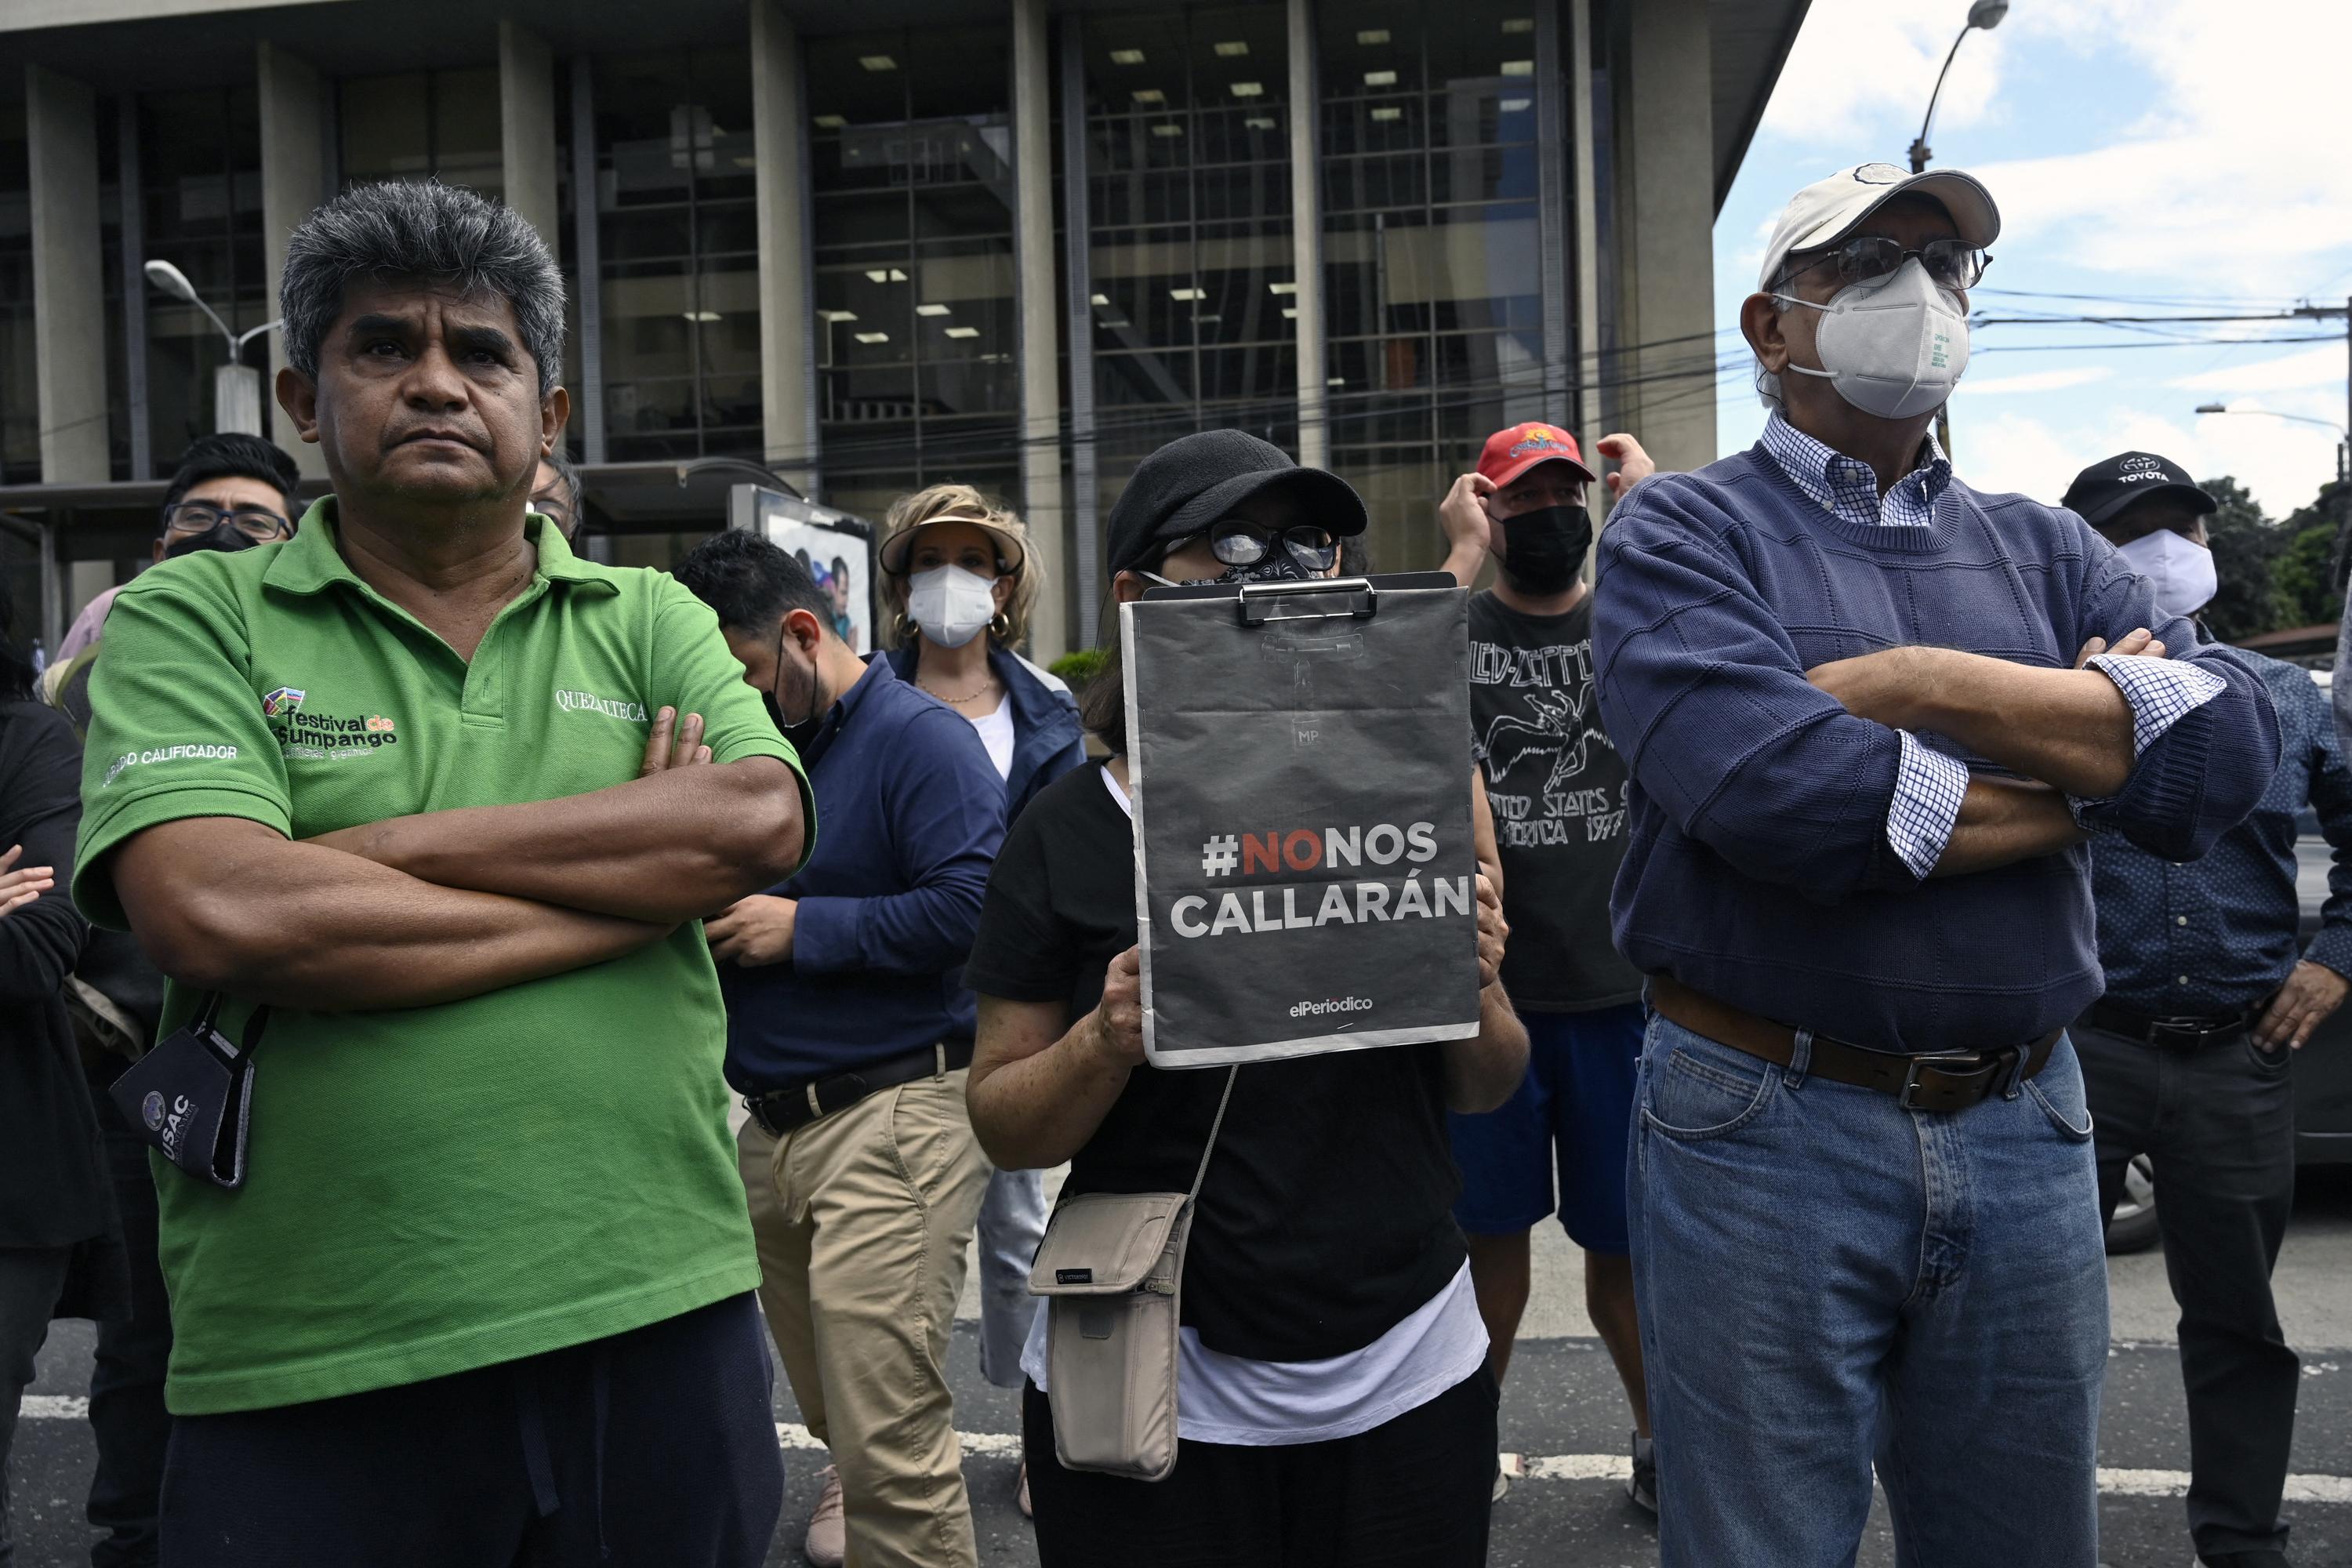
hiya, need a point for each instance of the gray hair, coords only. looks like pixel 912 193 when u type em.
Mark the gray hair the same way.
pixel 404 229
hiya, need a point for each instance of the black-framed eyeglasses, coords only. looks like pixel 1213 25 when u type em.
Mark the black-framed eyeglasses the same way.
pixel 1865 258
pixel 203 516
pixel 1237 541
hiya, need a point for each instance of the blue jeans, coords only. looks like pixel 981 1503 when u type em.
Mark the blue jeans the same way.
pixel 1826 1279
pixel 1012 1223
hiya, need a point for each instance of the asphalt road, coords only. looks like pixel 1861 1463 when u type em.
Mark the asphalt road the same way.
pixel 1565 1415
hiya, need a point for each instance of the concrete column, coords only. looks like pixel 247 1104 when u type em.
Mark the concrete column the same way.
pixel 1576 17
pixel 1042 492
pixel 294 180
pixel 588 375
pixel 69 296
pixel 1078 315
pixel 1306 241
pixel 780 148
pixel 1555 216
pixel 129 192
pixel 1665 185
pixel 527 129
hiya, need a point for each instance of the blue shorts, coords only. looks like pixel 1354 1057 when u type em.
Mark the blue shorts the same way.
pixel 1573 1113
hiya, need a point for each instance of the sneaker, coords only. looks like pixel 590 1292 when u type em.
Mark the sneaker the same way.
pixel 828 1538
pixel 1502 1484
pixel 1020 1497
pixel 1641 1486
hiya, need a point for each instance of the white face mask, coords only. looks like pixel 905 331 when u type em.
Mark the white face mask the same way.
pixel 1894 348
pixel 2181 569
pixel 952 606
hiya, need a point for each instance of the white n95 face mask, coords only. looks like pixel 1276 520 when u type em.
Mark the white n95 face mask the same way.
pixel 2181 569
pixel 952 606
pixel 1894 348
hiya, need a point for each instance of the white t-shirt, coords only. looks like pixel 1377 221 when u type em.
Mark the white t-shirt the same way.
pixel 996 733
pixel 1249 1403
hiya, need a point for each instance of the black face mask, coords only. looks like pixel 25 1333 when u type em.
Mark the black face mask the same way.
pixel 1277 567
pixel 798 731
pixel 1544 549
pixel 222 535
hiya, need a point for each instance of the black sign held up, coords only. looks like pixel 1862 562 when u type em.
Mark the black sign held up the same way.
pixel 1299 763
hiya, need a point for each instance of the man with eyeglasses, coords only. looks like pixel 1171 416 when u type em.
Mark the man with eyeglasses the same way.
pixel 1871 715
pixel 230 492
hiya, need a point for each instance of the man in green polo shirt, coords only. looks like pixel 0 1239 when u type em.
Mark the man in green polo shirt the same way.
pixel 450 801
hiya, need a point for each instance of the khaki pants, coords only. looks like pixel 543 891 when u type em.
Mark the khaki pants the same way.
pixel 862 1218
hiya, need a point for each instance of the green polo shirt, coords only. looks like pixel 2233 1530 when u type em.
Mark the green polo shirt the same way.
pixel 429 1189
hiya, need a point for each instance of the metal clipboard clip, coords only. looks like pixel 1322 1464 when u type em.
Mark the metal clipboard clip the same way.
pixel 1353 597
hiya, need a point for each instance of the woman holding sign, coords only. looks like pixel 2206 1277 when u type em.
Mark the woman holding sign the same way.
pixel 1332 1402
pixel 957 573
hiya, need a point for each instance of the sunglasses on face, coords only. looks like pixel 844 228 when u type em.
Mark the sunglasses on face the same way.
pixel 1950 263
pixel 1239 542
pixel 202 517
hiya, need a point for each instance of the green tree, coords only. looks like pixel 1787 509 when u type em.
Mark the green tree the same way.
pixel 2247 547
pixel 2307 572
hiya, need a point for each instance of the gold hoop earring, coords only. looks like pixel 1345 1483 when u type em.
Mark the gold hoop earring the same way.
pixel 999 626
pixel 899 627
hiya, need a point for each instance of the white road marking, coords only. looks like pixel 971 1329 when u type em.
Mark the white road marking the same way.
pixel 1522 1466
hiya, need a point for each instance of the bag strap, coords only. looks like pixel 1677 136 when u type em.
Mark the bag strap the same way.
pixel 208 1011
pixel 1202 1175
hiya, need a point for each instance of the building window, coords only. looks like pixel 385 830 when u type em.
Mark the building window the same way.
pixel 916 330
pixel 1432 273
pixel 199 167
pixel 1192 293
pixel 422 125
pixel 678 235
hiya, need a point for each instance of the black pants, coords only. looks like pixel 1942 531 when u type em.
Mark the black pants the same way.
pixel 1411 1494
pixel 654 1449
pixel 126 1382
pixel 2218 1126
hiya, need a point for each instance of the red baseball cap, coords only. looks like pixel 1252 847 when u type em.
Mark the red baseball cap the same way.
pixel 1512 452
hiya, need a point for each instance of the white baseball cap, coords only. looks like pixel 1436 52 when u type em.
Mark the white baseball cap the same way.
pixel 1828 210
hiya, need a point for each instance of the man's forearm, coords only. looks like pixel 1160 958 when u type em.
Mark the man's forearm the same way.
pixel 2071 729
pixel 673 846
pixel 1483 1070
pixel 2002 821
pixel 300 925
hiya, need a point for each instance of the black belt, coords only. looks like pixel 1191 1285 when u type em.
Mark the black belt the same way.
pixel 779 1110
pixel 2184 1034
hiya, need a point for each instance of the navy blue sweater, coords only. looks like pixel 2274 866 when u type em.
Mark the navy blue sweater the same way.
pixel 909 816
pixel 1758 868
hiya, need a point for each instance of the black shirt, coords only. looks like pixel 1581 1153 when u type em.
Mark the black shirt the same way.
pixel 1557 790
pixel 1326 1217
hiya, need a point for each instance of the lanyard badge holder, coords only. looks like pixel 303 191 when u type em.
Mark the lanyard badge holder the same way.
pixel 191 1098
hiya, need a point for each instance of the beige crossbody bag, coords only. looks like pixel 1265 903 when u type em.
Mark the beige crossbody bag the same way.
pixel 1112 1267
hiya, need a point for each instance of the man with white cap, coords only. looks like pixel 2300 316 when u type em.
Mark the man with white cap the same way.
pixel 1870 716
pixel 2210 990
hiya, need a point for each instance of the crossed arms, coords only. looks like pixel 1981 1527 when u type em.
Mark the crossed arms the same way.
pixel 438 907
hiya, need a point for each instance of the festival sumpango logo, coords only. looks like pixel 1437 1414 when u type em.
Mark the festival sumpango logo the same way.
pixel 303 732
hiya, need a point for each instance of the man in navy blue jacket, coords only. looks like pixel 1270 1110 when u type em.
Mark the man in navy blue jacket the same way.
pixel 849 1033
pixel 1871 716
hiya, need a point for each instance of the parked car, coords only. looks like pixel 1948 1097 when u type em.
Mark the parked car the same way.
pixel 2322 1069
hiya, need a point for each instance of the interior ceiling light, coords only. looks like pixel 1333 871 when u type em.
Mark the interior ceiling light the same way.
pixel 1519 24
pixel 1385 114
pixel 1168 131
pixel 1379 78
pixel 1515 105
pixel 1282 287
pixel 931 310
pixel 877 275
pixel 1098 300
pixel 837 316
pixel 1127 57
pixel 1186 294
pixel 1259 122
pixel 1149 95
pixel 1290 312
pixel 704 316
pixel 1337 381
pixel 1518 68
pixel 963 331
pixel 1249 90
pixel 1372 36
pixel 873 337
pixel 1231 51
pixel 877 62
pixel 829 122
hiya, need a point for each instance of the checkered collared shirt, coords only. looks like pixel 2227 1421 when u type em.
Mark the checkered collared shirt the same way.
pixel 1928 785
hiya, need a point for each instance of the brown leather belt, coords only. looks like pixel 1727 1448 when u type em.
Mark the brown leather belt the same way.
pixel 1950 1081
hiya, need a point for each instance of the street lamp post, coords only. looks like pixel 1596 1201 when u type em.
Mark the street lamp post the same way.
pixel 1985 15
pixel 236 387
pixel 2342 473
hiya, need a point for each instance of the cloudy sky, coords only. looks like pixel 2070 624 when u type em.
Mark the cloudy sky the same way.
pixel 2163 156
